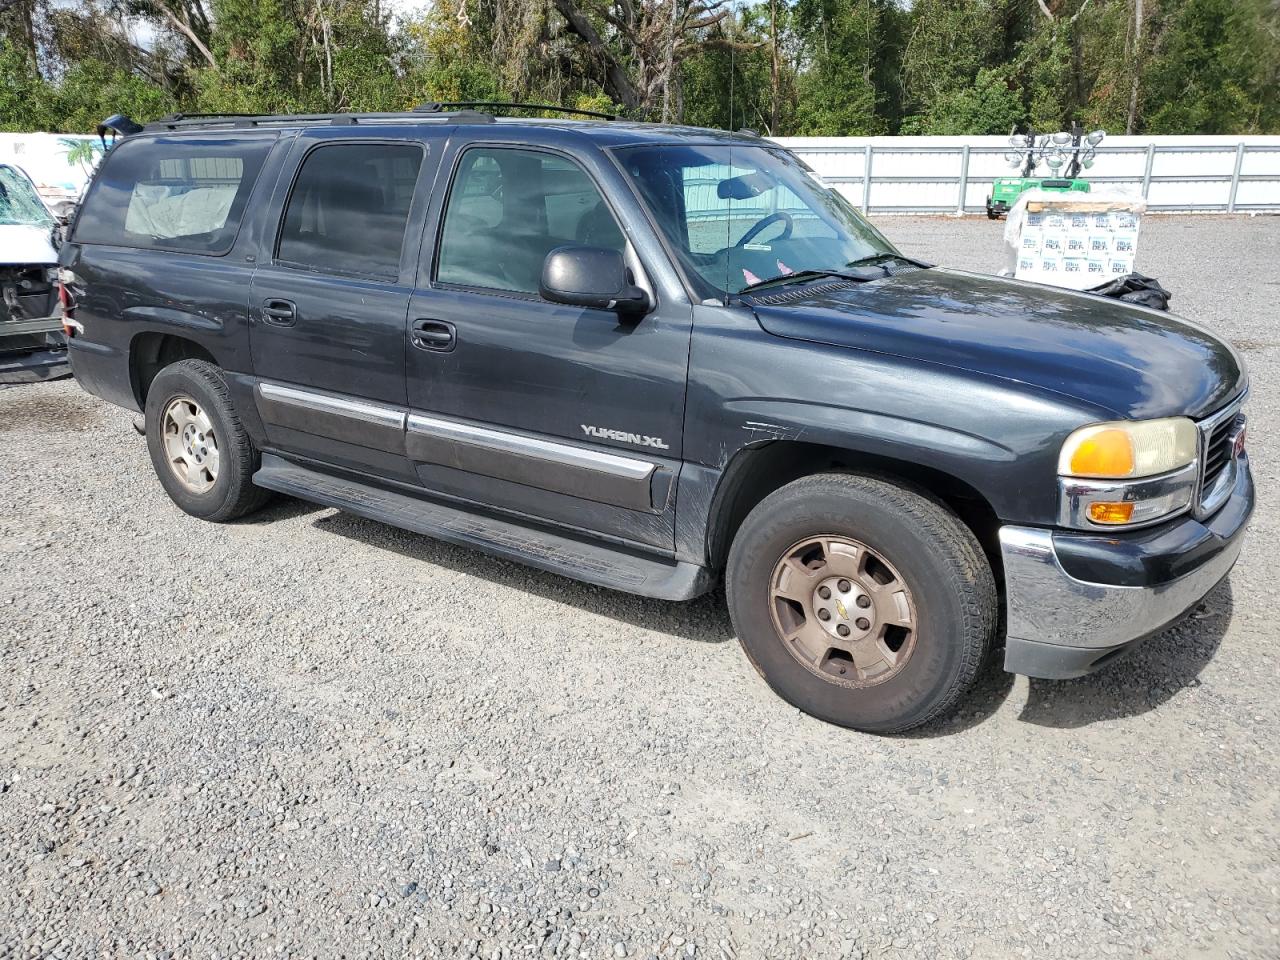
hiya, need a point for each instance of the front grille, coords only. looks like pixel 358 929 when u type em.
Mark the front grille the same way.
pixel 1217 457
pixel 1217 451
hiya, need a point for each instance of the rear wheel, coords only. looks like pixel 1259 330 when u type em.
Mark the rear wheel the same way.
pixel 204 459
pixel 860 602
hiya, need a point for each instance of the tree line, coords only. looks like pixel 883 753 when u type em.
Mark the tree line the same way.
pixel 781 67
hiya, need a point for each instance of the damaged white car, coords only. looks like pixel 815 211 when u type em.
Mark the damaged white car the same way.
pixel 32 344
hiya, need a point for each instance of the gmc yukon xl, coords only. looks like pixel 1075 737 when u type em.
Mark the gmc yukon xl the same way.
pixel 651 357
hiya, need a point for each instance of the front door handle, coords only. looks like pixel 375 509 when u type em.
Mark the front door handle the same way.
pixel 436 335
pixel 281 313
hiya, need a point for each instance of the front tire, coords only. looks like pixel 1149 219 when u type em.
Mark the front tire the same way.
pixel 204 459
pixel 860 602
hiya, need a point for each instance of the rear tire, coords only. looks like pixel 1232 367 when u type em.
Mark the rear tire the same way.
pixel 862 603
pixel 199 448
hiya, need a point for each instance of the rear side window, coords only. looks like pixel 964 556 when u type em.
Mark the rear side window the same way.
pixel 170 193
pixel 349 207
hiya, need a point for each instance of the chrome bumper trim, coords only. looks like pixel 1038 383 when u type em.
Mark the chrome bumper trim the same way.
pixel 1046 604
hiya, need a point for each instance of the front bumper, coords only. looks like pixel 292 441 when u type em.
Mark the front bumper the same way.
pixel 1060 626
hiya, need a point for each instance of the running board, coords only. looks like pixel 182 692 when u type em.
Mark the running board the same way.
pixel 593 562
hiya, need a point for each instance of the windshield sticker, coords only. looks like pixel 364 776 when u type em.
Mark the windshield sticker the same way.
pixel 757 246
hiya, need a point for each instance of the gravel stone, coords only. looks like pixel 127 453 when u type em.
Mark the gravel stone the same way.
pixel 315 736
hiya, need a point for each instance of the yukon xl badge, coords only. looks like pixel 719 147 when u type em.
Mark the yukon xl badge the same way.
pixel 623 437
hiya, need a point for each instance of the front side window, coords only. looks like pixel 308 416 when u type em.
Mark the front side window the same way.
pixel 173 193
pixel 509 208
pixel 349 207
pixel 738 215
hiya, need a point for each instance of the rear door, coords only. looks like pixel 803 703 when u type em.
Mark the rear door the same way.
pixel 560 413
pixel 330 297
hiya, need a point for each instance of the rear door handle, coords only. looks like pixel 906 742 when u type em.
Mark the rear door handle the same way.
pixel 281 313
pixel 437 335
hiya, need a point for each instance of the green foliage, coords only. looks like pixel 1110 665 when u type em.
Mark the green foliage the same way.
pixel 797 67
pixel 1046 66
pixel 988 106
pixel 1204 77
pixel 22 91
pixel 837 94
pixel 85 94
pixel 598 102
pixel 446 63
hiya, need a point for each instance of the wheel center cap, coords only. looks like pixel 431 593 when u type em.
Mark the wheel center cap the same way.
pixel 843 608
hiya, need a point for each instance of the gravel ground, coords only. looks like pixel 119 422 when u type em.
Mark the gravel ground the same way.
pixel 312 735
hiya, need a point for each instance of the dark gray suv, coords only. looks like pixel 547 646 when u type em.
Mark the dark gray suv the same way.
pixel 647 357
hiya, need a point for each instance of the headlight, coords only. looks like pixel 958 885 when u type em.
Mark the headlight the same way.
pixel 1124 450
pixel 1127 473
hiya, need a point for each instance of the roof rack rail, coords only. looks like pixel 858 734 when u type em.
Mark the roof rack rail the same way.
pixel 175 117
pixel 472 111
pixel 502 105
pixel 176 121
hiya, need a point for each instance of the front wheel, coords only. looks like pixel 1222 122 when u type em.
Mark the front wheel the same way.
pixel 862 603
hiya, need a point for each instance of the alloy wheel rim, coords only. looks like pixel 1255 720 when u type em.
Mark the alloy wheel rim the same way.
pixel 843 611
pixel 190 444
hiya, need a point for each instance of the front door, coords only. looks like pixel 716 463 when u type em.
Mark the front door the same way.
pixel 562 413
pixel 328 304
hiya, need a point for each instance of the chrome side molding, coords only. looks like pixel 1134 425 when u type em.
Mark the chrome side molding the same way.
pixel 627 468
pixel 376 413
pixel 361 423
pixel 434 441
pixel 533 461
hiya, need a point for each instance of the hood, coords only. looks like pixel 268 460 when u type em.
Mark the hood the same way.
pixel 27 245
pixel 1129 360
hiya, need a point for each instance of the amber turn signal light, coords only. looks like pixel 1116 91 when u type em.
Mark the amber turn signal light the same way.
pixel 1111 512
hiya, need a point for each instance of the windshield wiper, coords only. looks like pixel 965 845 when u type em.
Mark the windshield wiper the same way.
pixel 857 276
pixel 877 259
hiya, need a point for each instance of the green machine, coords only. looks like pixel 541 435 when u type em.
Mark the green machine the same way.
pixel 1065 154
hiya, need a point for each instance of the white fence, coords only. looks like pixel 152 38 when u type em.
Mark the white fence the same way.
pixel 954 174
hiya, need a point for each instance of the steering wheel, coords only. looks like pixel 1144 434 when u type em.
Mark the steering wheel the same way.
pixel 759 226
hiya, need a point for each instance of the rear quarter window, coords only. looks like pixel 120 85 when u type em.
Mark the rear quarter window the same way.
pixel 170 193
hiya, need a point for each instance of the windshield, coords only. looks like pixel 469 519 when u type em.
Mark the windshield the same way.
pixel 19 202
pixel 742 214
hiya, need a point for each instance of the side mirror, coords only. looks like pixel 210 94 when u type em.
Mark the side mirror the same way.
pixel 591 277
